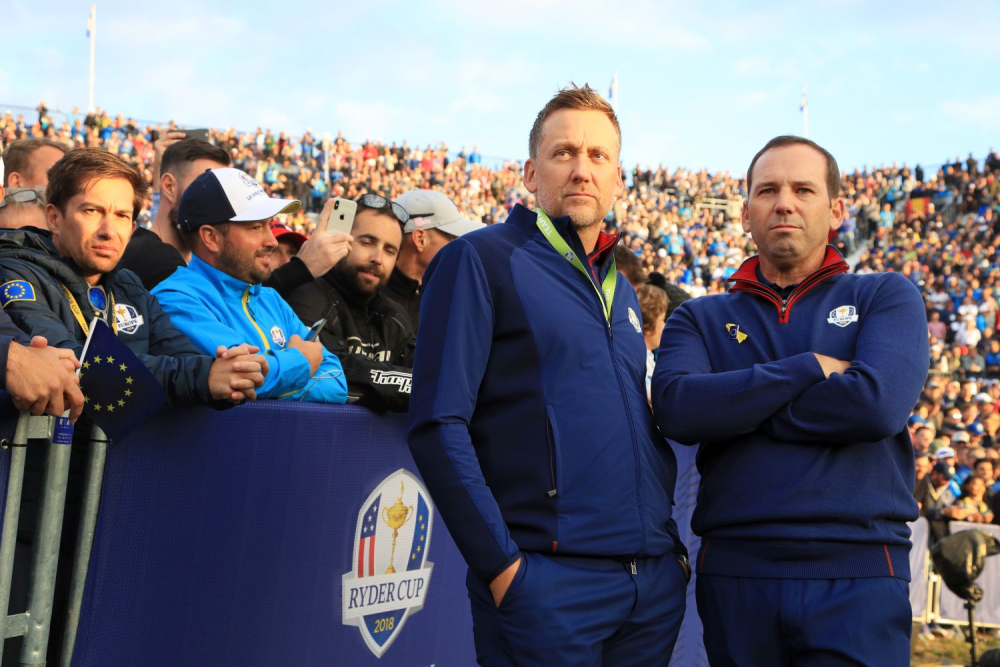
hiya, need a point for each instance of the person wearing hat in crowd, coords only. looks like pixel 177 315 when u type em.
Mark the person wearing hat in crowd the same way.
pixel 434 221
pixel 155 253
pixel 368 332
pixel 54 285
pixel 218 299
pixel 289 243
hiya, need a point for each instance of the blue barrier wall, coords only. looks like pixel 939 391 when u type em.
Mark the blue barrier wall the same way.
pixel 224 538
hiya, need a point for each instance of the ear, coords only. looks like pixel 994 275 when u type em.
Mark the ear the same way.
pixel 836 213
pixel 211 238
pixel 168 187
pixel 419 237
pixel 530 176
pixel 2 193
pixel 745 217
pixel 53 218
pixel 14 180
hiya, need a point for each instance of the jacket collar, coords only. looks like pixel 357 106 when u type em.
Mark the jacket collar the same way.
pixel 403 283
pixel 746 280
pixel 748 269
pixel 224 282
pixel 525 219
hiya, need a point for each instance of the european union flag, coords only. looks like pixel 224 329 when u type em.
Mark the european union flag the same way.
pixel 119 391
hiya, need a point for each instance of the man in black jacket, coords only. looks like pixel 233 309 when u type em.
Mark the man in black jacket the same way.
pixel 156 253
pixel 434 222
pixel 368 332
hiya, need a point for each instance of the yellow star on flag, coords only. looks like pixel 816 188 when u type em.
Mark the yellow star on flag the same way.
pixel 122 367
pixel 110 359
pixel 97 360
pixel 86 364
pixel 128 380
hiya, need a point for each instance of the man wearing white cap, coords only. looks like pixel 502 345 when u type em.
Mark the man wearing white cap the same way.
pixel 434 221
pixel 218 299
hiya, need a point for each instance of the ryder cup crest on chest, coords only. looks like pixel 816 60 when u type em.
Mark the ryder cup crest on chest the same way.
pixel 393 529
pixel 843 316
pixel 127 318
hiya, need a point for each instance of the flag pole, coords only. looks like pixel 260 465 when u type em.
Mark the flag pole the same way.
pixel 92 32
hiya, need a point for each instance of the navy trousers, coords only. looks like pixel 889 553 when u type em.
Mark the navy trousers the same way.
pixel 570 611
pixel 805 622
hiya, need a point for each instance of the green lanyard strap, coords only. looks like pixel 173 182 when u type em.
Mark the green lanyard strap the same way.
pixel 559 243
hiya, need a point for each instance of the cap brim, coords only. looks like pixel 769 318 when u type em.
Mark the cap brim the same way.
pixel 460 227
pixel 266 209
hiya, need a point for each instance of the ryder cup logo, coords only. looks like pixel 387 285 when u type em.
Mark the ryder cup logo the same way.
pixel 394 528
pixel 843 316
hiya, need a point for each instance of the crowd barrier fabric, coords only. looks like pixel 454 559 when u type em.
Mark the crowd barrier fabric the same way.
pixel 271 534
pixel 952 607
pixel 301 534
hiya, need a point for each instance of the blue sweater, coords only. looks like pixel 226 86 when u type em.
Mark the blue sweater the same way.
pixel 802 477
pixel 528 417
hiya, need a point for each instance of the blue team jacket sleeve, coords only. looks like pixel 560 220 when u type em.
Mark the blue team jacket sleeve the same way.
pixel 8 334
pixel 453 347
pixel 688 397
pixel 328 385
pixel 289 370
pixel 872 400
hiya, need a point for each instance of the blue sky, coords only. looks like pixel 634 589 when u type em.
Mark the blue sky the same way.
pixel 700 84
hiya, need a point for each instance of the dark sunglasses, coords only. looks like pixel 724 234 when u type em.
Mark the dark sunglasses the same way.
pixel 380 203
pixel 23 196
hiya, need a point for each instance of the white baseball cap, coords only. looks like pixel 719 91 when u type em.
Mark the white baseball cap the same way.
pixel 431 209
pixel 228 195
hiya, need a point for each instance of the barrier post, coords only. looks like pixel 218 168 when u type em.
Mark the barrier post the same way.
pixel 45 558
pixel 94 477
pixel 8 542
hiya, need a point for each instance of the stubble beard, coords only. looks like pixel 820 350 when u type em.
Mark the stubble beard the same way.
pixel 243 269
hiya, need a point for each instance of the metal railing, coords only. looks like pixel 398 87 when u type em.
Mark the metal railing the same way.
pixel 35 623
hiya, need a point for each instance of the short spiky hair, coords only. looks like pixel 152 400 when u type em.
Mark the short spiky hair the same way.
pixel 832 170
pixel 71 175
pixel 572 97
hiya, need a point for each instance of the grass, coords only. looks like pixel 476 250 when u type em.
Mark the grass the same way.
pixel 946 651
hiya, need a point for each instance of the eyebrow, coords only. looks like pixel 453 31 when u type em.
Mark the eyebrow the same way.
pixel 773 183
pixel 575 145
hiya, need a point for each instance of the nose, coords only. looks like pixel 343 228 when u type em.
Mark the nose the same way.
pixel 783 203
pixel 269 241
pixel 581 168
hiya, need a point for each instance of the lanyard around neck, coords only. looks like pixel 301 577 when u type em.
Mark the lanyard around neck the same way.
pixel 78 313
pixel 559 243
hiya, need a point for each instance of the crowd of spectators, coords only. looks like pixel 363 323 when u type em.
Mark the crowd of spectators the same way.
pixel 937 226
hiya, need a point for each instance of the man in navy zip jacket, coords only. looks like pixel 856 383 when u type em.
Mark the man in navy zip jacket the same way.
pixel 529 421
pixel 805 375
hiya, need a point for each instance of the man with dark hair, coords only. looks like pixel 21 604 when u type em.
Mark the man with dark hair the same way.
pixel 434 222
pixel 28 162
pixel 529 421
pixel 55 288
pixel 629 266
pixel 816 371
pixel 218 299
pixel 154 255
pixel 368 333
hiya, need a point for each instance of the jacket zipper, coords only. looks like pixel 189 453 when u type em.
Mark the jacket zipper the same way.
pixel 552 455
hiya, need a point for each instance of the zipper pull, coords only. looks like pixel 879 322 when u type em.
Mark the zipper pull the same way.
pixel 632 568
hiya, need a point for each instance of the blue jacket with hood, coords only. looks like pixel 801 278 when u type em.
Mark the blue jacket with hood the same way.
pixel 528 418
